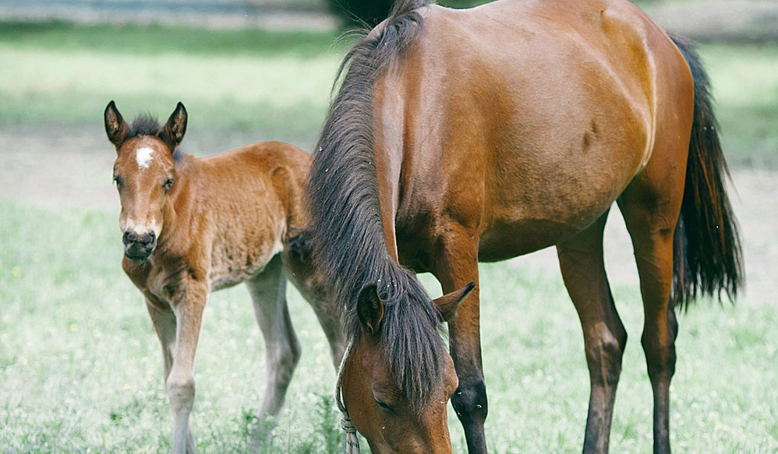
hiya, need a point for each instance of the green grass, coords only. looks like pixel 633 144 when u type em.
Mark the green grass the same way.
pixel 80 366
pixel 274 82
pixel 160 40
pixel 745 81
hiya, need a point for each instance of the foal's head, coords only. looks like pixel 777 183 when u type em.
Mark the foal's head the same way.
pixel 144 173
pixel 390 419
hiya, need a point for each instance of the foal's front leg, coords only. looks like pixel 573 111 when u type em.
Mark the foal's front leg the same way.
pixel 188 309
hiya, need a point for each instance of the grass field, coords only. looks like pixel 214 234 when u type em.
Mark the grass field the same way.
pixel 275 82
pixel 80 366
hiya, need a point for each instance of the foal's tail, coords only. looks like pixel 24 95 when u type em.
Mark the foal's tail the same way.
pixel 707 251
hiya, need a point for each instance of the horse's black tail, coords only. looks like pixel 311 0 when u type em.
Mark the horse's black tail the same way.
pixel 707 250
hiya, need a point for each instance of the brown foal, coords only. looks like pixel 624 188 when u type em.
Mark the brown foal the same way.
pixel 191 226
pixel 461 136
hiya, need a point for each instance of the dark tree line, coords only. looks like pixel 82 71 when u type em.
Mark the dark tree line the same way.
pixel 371 12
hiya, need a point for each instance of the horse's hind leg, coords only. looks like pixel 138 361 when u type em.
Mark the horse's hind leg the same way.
pixel 651 212
pixel 583 270
pixel 282 349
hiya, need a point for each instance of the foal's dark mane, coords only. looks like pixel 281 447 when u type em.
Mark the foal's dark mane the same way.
pixel 147 125
pixel 346 226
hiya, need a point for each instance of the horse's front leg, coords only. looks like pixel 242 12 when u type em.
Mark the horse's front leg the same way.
pixel 456 265
pixel 188 308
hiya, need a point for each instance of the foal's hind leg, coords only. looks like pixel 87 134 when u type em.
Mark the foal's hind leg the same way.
pixel 282 349
pixel 583 270
pixel 651 223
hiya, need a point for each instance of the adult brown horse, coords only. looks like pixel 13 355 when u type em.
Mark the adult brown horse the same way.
pixel 191 226
pixel 484 134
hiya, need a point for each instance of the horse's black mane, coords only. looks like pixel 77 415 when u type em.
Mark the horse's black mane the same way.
pixel 146 124
pixel 346 230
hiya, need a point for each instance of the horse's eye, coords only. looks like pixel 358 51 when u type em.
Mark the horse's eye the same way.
pixel 117 181
pixel 168 184
pixel 384 406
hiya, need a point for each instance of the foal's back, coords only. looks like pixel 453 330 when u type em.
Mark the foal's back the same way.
pixel 241 204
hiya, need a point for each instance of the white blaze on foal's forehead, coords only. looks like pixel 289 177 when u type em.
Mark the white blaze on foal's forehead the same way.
pixel 144 156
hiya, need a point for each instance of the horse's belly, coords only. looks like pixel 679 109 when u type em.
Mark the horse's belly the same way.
pixel 541 209
pixel 508 239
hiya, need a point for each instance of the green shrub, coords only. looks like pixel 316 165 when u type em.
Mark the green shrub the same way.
pixel 371 12
pixel 361 12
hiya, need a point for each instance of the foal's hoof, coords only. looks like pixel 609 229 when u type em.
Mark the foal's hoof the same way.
pixel 260 438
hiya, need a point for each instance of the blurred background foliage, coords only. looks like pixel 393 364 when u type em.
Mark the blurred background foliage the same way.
pixel 277 82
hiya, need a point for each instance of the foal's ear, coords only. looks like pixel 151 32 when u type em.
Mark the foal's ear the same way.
pixel 370 309
pixel 448 303
pixel 115 126
pixel 175 128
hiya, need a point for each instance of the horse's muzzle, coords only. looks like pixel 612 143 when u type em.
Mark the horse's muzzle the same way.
pixel 139 247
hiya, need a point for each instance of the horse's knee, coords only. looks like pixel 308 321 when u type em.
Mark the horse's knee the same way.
pixel 673 321
pixel 285 359
pixel 469 400
pixel 660 359
pixel 604 353
pixel 181 392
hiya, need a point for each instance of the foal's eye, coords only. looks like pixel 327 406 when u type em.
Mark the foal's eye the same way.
pixel 117 181
pixel 168 184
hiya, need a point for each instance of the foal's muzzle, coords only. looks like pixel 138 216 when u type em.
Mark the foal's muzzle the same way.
pixel 139 246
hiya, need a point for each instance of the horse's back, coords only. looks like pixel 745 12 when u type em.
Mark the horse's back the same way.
pixel 550 106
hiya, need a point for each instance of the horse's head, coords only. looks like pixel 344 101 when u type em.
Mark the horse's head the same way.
pixel 144 173
pixel 382 411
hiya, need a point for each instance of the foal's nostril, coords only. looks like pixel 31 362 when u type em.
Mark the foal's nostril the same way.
pixel 132 237
pixel 147 238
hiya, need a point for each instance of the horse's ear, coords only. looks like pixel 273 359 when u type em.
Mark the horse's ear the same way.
pixel 175 128
pixel 115 126
pixel 370 309
pixel 448 303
